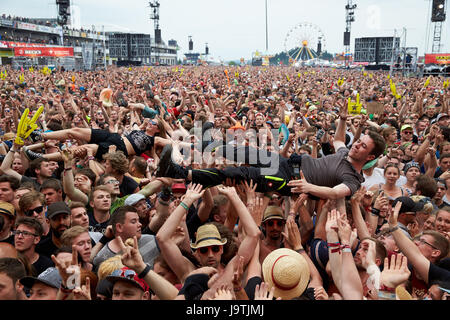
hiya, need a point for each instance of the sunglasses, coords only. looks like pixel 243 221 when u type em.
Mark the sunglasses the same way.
pixel 29 213
pixel 115 182
pixel 271 223
pixel 407 132
pixel 204 250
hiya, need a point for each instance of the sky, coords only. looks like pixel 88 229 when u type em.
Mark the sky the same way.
pixel 235 29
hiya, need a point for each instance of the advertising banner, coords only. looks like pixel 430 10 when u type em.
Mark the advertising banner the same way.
pixel 43 52
pixel 439 58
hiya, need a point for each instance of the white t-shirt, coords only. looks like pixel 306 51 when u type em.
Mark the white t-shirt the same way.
pixel 377 177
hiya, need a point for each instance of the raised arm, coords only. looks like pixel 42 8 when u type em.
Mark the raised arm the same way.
pixel 180 265
pixel 407 247
pixel 73 193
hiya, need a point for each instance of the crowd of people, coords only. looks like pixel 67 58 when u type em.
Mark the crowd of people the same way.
pixel 224 183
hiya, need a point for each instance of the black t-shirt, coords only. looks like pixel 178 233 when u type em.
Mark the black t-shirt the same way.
pixel 127 186
pixel 438 273
pixel 42 264
pixel 95 226
pixel 46 247
pixel 24 179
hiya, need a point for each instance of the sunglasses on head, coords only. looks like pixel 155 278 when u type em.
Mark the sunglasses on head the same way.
pixel 204 250
pixel 29 213
pixel 279 223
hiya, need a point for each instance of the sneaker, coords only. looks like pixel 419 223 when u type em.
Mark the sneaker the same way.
pixel 31 155
pixel 35 136
pixel 167 168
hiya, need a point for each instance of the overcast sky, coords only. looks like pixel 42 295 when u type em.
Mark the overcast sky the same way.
pixel 236 28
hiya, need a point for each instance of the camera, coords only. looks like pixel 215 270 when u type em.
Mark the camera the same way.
pixel 320 134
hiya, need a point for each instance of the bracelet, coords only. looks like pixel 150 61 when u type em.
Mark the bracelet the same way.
pixel 375 211
pixel 237 289
pixel 12 150
pixel 91 158
pixel 67 169
pixel 334 244
pixel 144 272
pixel 300 250
pixel 347 250
pixel 184 205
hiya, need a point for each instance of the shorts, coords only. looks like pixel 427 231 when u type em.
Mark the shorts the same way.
pixel 104 139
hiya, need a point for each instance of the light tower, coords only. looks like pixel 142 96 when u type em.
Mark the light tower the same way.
pixel 155 17
pixel 349 18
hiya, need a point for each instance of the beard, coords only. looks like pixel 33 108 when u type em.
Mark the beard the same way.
pixel 59 231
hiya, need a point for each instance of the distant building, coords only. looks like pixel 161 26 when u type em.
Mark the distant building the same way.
pixel 138 48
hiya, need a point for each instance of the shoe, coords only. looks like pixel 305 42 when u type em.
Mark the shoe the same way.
pixel 31 155
pixel 167 168
pixel 35 136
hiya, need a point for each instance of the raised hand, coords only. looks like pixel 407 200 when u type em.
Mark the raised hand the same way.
pixel 262 292
pixel 331 225
pixel 357 197
pixel 344 230
pixel 68 270
pixel 396 272
pixel 393 217
pixel 131 257
pixel 369 259
pixel 223 293
pixel 83 293
pixel 292 236
pixel 194 192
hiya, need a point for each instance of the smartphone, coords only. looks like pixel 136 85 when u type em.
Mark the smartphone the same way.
pixel 320 134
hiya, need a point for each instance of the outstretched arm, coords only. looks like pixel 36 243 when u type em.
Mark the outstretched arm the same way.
pixel 407 247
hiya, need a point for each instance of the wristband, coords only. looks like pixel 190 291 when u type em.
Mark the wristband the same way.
pixel 375 211
pixel 237 289
pixel 91 158
pixel 333 244
pixel 299 250
pixel 67 169
pixel 144 272
pixel 347 250
pixel 104 240
pixel 184 205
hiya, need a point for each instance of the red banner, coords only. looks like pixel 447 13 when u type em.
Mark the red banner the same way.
pixel 438 58
pixel 43 52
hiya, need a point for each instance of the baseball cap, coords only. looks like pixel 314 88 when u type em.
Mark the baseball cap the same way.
pixel 273 212
pixel 57 208
pixel 408 204
pixel 49 277
pixel 7 208
pixel 441 115
pixel 133 199
pixel 406 126
pixel 128 275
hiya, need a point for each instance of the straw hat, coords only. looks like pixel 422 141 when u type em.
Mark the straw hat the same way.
pixel 287 271
pixel 208 235
pixel 273 212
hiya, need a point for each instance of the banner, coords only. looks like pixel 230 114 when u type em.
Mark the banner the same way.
pixel 43 52
pixel 439 58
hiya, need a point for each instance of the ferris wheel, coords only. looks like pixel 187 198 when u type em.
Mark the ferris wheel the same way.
pixel 305 41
